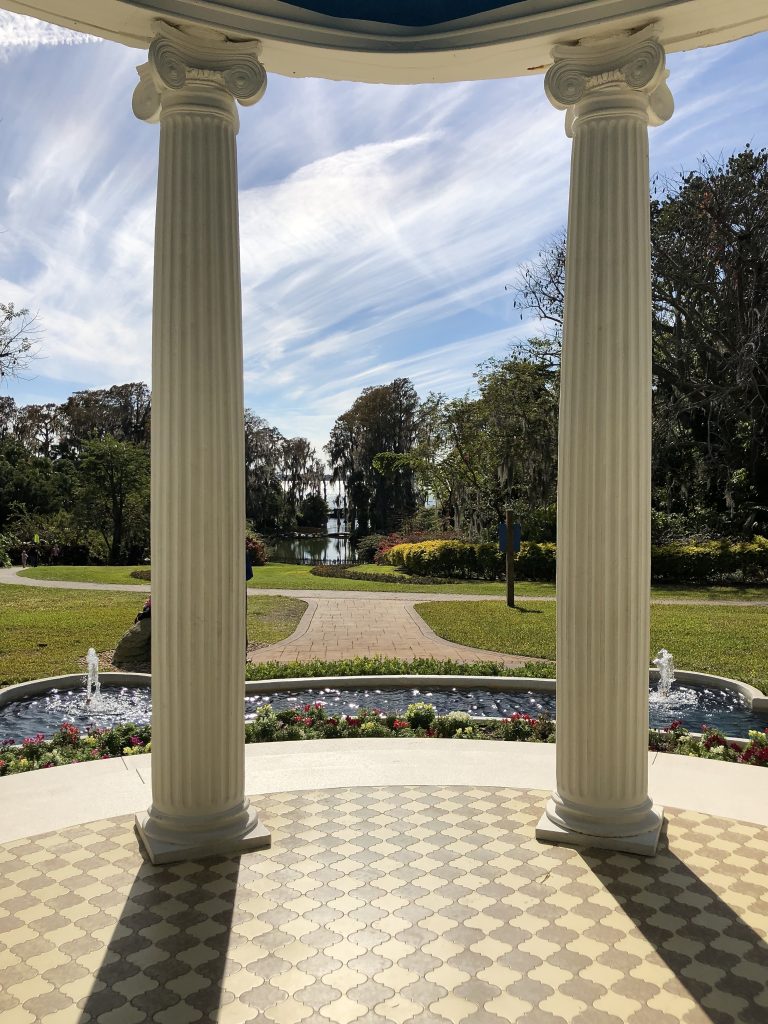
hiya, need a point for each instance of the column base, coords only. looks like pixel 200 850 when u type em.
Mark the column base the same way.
pixel 644 844
pixel 165 846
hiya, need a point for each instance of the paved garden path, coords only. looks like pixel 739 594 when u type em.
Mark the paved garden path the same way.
pixel 339 624
pixel 334 628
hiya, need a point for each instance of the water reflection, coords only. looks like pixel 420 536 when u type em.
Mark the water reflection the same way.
pixel 321 548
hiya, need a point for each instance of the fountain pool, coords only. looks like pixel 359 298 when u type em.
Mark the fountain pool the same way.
pixel 493 697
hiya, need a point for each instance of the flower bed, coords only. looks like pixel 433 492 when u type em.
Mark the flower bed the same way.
pixel 340 572
pixel 70 746
pixel 312 722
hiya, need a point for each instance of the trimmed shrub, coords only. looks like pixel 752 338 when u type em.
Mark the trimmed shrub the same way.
pixel 446 726
pixel 713 561
pixel 393 540
pixel 342 572
pixel 536 562
pixel 420 715
pixel 256 550
pixel 455 558
pixel 376 730
pixel 451 558
pixel 367 547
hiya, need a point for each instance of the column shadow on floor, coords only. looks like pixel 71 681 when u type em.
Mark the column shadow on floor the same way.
pixel 716 956
pixel 170 944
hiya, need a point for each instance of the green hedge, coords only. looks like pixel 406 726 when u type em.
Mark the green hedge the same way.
pixel 715 561
pixel 449 558
pixel 458 558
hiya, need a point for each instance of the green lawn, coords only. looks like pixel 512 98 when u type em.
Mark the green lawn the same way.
pixel 271 619
pixel 45 632
pixel 88 574
pixel 280 576
pixel 724 641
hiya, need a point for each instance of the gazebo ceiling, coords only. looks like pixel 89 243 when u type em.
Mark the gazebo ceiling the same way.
pixel 402 12
pixel 408 41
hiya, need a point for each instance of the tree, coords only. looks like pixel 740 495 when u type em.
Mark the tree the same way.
pixel 36 426
pixel 113 494
pixel 382 420
pixel 710 336
pixel 26 481
pixel 496 450
pixel 265 505
pixel 17 347
pixel 709 234
pixel 313 511
pixel 122 411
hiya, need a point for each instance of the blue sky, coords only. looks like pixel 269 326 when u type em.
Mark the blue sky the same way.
pixel 379 224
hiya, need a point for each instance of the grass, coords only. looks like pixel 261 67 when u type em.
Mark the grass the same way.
pixel 88 574
pixel 271 619
pixel 281 576
pixel 724 641
pixel 45 632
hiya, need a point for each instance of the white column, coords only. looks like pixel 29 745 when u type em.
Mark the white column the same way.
pixel 612 90
pixel 199 807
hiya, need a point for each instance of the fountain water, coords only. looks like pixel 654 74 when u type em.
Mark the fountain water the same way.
pixel 666 666
pixel 92 681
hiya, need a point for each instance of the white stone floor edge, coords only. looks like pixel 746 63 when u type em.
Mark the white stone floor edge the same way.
pixel 47 800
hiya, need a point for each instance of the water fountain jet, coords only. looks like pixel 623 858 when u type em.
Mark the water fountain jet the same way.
pixel 666 666
pixel 92 681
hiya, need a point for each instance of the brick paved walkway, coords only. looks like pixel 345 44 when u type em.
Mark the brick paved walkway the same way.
pixel 333 629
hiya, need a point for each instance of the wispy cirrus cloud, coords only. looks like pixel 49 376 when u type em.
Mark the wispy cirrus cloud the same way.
pixel 379 225
pixel 20 32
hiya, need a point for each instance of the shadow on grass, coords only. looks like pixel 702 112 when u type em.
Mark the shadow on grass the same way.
pixel 714 954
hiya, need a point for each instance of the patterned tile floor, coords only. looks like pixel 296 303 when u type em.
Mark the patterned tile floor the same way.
pixel 393 904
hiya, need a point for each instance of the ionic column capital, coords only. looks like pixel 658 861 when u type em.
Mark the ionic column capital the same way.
pixel 201 69
pixel 622 75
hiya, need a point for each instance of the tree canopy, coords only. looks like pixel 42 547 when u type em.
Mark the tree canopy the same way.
pixel 709 237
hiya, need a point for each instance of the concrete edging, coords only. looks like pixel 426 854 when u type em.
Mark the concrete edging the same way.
pixel 756 700
pixel 35 686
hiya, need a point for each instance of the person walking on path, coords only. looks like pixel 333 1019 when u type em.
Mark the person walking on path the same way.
pixel 24 558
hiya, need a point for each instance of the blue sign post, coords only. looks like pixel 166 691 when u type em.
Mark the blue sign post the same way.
pixel 517 531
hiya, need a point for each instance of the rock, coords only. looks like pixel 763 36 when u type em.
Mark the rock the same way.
pixel 134 652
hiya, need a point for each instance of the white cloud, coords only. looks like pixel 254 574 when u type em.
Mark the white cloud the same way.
pixel 20 32
pixel 379 225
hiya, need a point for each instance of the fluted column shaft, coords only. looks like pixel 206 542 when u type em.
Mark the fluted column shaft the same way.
pixel 612 91
pixel 198 499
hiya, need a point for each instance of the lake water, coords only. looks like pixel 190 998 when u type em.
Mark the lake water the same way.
pixel 314 549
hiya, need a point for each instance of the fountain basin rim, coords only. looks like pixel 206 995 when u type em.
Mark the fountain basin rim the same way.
pixel 754 698
pixel 756 701
pixel 36 686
